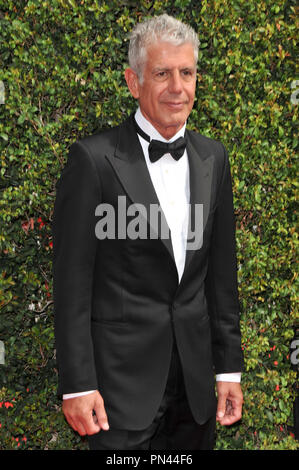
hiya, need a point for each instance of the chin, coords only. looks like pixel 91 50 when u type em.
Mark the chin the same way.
pixel 176 121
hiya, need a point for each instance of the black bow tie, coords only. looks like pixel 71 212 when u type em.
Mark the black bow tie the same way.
pixel 157 149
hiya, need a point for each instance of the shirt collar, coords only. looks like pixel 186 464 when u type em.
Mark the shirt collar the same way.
pixel 149 129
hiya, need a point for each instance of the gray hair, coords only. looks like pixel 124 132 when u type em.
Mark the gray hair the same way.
pixel 163 28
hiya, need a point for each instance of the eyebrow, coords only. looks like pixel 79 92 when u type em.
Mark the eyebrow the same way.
pixel 160 69
pixel 165 69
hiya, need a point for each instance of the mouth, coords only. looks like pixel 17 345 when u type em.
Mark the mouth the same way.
pixel 174 105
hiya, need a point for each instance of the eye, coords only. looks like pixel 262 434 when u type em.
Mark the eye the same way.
pixel 187 73
pixel 161 75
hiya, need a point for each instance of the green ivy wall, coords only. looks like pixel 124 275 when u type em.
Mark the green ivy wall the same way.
pixel 62 64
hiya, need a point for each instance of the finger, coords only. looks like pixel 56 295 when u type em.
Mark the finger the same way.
pixel 237 407
pixel 229 419
pixel 90 425
pixel 80 428
pixel 232 415
pixel 229 408
pixel 76 424
pixel 101 415
pixel 71 423
pixel 221 407
pixel 83 424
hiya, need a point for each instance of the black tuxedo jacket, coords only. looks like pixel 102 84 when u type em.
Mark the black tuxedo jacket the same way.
pixel 118 303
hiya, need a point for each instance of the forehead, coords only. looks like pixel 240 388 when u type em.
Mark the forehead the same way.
pixel 164 54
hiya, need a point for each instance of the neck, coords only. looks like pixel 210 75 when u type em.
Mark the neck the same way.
pixel 170 131
pixel 167 132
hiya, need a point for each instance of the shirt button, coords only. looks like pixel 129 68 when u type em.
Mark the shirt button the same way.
pixel 172 308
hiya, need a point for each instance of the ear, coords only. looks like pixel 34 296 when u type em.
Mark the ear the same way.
pixel 132 82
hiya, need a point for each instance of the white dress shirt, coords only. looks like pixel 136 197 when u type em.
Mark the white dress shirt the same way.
pixel 170 179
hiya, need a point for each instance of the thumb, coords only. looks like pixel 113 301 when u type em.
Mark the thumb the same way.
pixel 100 413
pixel 221 407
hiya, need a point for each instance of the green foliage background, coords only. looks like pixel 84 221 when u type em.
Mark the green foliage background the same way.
pixel 62 64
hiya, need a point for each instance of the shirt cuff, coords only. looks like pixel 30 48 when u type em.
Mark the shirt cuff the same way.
pixel 74 395
pixel 231 377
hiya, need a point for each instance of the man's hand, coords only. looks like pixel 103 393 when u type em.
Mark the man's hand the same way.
pixel 86 414
pixel 230 400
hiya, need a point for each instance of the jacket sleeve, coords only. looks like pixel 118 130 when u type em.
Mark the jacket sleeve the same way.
pixel 74 249
pixel 221 281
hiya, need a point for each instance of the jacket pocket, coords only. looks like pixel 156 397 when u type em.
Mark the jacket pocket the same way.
pixel 113 323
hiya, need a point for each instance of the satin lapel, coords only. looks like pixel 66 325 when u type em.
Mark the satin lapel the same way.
pixel 201 172
pixel 130 166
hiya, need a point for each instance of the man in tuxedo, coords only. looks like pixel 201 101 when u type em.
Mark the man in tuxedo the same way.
pixel 143 324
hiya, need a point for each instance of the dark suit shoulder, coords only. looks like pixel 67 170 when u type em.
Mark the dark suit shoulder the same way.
pixel 206 143
pixel 206 146
pixel 101 142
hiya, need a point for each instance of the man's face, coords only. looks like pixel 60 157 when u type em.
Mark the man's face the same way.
pixel 166 95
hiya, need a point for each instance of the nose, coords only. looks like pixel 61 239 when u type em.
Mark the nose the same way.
pixel 175 82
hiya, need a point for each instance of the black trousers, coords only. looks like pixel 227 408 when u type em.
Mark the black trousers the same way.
pixel 173 428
